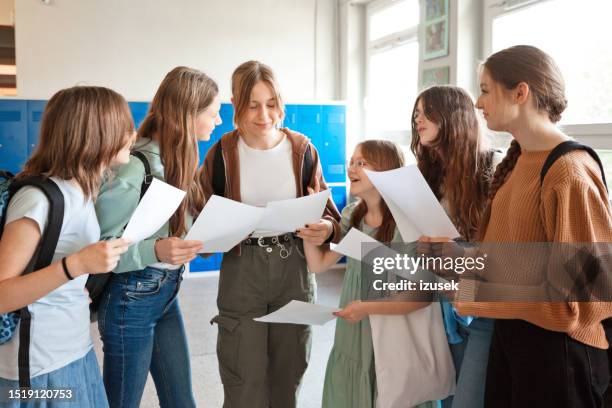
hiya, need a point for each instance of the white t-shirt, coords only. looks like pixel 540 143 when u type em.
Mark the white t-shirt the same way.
pixel 60 320
pixel 266 175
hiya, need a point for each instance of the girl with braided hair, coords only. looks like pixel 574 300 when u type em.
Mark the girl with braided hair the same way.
pixel 543 354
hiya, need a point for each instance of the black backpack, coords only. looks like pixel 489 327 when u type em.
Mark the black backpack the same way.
pixel 97 283
pixel 41 259
pixel 218 181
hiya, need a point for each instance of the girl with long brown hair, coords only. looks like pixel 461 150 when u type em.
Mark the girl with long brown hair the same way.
pixel 543 354
pixel 139 317
pixel 350 377
pixel 458 164
pixel 84 130
pixel 262 364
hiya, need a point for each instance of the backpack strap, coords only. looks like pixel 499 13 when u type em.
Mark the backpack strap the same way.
pixel 218 181
pixel 564 148
pixel 7 175
pixel 306 170
pixel 148 178
pixel 41 259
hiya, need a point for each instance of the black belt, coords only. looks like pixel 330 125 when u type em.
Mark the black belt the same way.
pixel 267 241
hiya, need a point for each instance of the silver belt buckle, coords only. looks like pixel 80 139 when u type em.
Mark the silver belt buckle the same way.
pixel 261 243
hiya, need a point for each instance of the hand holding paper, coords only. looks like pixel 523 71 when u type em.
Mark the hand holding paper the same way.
pixel 289 215
pixel 155 208
pixel 298 312
pixel 414 206
pixel 224 223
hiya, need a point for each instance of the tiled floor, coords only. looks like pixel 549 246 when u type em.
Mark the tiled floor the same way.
pixel 198 303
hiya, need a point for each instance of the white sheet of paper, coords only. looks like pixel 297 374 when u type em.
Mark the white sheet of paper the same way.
pixel 298 312
pixel 223 223
pixel 155 208
pixel 414 206
pixel 289 215
pixel 351 244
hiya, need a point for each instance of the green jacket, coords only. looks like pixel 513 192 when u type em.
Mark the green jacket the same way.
pixel 119 197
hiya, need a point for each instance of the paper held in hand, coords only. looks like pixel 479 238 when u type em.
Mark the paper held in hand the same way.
pixel 224 223
pixel 298 312
pixel 155 208
pixel 414 206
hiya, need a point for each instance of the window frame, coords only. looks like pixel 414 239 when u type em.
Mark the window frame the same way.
pixel 384 44
pixel 596 135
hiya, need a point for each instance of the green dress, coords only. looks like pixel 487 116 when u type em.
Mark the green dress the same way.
pixel 350 377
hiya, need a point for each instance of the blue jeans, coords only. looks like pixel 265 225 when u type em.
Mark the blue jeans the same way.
pixel 82 377
pixel 142 330
pixel 471 358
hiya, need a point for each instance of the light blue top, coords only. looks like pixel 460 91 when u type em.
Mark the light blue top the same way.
pixel 60 320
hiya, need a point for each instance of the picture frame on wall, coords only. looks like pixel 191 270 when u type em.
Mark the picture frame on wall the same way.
pixel 435 76
pixel 435 29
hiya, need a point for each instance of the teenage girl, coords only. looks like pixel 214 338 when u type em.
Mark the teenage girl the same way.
pixel 261 364
pixel 139 317
pixel 543 354
pixel 84 130
pixel 350 377
pixel 455 159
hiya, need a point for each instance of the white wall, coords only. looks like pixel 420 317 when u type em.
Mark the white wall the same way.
pixel 130 45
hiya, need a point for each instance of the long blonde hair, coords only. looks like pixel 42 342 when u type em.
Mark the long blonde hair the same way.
pixel 244 78
pixel 83 129
pixel 182 95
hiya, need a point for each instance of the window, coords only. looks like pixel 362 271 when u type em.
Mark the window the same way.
pixel 392 68
pixel 577 35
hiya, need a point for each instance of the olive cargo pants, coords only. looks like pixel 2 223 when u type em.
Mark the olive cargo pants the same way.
pixel 262 364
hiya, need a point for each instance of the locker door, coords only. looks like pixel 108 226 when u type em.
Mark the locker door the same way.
pixel 139 111
pixel 13 134
pixel 290 116
pixel 35 112
pixel 333 146
pixel 308 122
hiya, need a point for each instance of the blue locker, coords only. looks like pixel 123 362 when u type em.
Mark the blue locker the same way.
pixel 35 112
pixel 333 148
pixel 339 196
pixel 290 116
pixel 13 134
pixel 308 122
pixel 139 111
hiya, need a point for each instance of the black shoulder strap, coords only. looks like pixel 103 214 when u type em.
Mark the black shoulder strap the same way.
pixel 307 170
pixel 42 259
pixel 218 179
pixel 6 174
pixel 148 178
pixel 564 148
pixel 49 239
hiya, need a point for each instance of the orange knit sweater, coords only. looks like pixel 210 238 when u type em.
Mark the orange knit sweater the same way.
pixel 570 206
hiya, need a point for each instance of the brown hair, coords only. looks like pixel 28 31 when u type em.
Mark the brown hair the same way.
pixel 509 67
pixel 382 155
pixel 244 78
pixel 182 95
pixel 83 129
pixel 458 165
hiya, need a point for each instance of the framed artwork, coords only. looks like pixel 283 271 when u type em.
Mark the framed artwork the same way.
pixel 435 29
pixel 435 76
